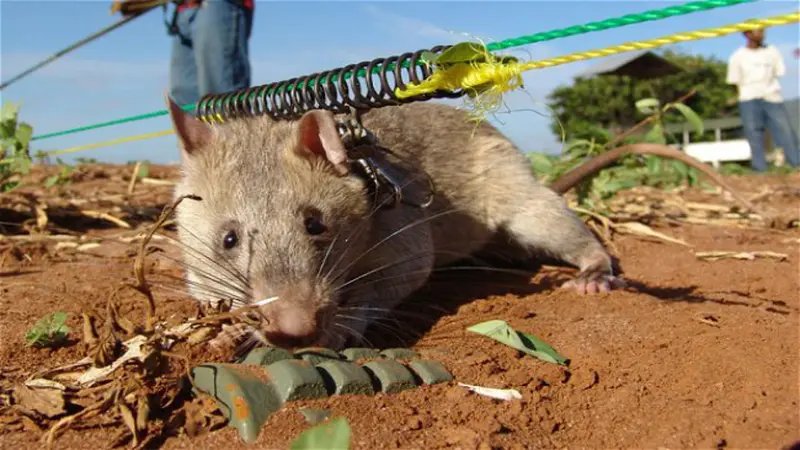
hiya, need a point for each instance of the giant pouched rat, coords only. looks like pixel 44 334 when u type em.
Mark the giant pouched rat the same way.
pixel 283 214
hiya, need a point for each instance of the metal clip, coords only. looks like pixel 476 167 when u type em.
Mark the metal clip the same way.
pixel 381 174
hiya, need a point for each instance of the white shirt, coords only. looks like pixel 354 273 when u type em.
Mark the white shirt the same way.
pixel 755 71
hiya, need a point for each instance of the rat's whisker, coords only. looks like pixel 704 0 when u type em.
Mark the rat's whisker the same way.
pixel 327 254
pixel 394 234
pixel 221 286
pixel 202 273
pixel 230 267
pixel 441 270
pixel 354 334
pixel 394 264
pixel 209 263
pixel 207 290
pixel 380 268
pixel 265 301
pixel 373 321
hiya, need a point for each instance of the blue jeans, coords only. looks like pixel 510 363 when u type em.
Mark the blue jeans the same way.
pixel 210 51
pixel 758 115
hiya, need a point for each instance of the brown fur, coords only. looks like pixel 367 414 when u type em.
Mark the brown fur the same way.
pixel 252 178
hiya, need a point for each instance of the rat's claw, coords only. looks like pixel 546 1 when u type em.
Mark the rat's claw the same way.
pixel 593 283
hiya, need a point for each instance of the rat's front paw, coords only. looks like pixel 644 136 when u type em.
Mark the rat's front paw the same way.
pixel 594 282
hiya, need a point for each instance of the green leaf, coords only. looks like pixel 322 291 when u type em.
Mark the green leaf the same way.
pixel 428 57
pixel 653 165
pixel 656 135
pixel 24 134
pixel 8 146
pixel 462 52
pixel 541 163
pixel 648 106
pixel 144 171
pixel 332 435
pixel 680 167
pixel 691 117
pixel 500 331
pixel 21 164
pixel 10 186
pixel 465 52
pixel 48 330
pixel 51 181
pixel 10 111
pixel 612 187
pixel 578 147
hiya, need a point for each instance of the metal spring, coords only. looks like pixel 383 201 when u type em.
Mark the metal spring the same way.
pixel 290 99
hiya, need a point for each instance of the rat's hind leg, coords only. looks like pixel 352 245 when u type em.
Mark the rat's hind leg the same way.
pixel 539 220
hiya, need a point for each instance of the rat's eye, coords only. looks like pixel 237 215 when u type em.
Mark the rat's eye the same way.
pixel 314 226
pixel 230 240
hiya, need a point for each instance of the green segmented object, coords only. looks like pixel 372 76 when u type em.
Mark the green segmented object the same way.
pixel 250 391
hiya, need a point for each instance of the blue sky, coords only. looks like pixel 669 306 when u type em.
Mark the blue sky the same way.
pixel 125 72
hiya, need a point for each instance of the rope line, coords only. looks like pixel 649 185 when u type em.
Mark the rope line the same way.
pixel 629 19
pixel 138 137
pixel 504 77
pixel 513 70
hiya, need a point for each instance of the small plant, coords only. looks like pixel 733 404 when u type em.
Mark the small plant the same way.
pixel 62 177
pixel 144 169
pixel 15 138
pixel 631 170
pixel 48 331
pixel 83 160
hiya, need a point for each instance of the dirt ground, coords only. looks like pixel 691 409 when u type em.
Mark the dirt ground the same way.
pixel 692 354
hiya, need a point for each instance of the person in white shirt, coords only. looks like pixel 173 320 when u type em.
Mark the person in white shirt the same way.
pixel 755 69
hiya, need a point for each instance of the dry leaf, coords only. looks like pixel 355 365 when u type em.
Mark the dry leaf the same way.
pixel 643 230
pixel 44 401
pixel 89 333
pixel 119 321
pixel 101 215
pixel 201 335
pixel 499 394
pixel 129 421
pixel 749 256
pixel 708 207
pixel 103 353
pixel 45 384
pixel 142 412
pixel 136 350
pixel 41 216
pixel 87 246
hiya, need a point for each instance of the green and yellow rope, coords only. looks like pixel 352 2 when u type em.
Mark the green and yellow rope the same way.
pixel 607 24
pixel 497 78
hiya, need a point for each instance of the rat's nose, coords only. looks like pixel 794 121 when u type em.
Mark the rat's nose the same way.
pixel 291 328
pixel 291 320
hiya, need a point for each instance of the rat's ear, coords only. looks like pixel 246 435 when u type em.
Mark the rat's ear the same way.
pixel 192 132
pixel 318 138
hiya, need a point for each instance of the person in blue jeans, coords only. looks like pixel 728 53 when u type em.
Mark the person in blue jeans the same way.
pixel 210 53
pixel 755 69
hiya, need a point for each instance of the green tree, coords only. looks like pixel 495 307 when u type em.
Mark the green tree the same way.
pixel 592 105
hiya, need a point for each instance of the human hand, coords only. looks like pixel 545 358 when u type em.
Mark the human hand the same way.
pixel 133 7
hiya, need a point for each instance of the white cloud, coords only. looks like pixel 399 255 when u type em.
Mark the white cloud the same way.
pixel 405 25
